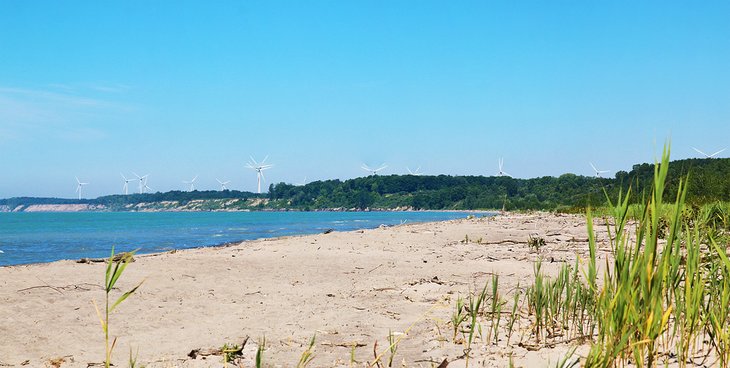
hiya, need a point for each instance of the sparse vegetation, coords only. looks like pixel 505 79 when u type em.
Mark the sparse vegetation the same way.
pixel 114 270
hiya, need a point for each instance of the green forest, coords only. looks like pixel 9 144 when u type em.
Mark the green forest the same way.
pixel 709 180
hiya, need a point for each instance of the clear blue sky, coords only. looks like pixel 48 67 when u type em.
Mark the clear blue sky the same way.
pixel 179 88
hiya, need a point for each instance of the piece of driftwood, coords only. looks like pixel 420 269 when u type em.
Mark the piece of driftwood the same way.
pixel 117 257
pixel 215 351
pixel 344 344
pixel 328 231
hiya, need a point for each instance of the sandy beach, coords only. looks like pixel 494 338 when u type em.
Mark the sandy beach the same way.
pixel 347 288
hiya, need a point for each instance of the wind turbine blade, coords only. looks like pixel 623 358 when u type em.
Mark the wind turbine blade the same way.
pixel 718 152
pixel 702 153
pixel 252 160
pixel 196 177
pixel 262 176
pixel 265 158
pixel 409 170
pixel 593 167
pixel 382 167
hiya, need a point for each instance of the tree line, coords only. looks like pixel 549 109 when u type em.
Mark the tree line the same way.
pixel 708 179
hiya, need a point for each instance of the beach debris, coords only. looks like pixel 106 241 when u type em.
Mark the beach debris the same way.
pixel 203 352
pixel 25 362
pixel 443 364
pixel 328 231
pixel 57 362
pixel 433 280
pixel 117 257
pixel 352 344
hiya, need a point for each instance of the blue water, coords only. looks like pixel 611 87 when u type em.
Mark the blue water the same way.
pixel 47 237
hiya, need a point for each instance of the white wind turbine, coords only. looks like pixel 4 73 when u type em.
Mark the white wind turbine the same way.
pixel 304 182
pixel 598 172
pixel 709 156
pixel 501 167
pixel 416 172
pixel 142 182
pixel 79 186
pixel 191 182
pixel 126 184
pixel 373 171
pixel 223 184
pixel 259 168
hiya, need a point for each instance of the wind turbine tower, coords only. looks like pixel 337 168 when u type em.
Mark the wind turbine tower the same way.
pixel 501 168
pixel 191 182
pixel 126 184
pixel 373 171
pixel 259 168
pixel 598 172
pixel 79 186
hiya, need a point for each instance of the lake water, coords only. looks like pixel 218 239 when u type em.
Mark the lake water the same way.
pixel 45 237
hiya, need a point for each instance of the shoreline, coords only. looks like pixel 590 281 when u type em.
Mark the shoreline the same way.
pixel 239 241
pixel 76 209
pixel 346 287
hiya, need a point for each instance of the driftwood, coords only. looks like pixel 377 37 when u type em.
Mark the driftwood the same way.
pixel 344 344
pixel 117 258
pixel 216 351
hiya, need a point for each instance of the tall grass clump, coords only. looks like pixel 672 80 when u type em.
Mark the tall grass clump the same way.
pixel 663 295
pixel 634 306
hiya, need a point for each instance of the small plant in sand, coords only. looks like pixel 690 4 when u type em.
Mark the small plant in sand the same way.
pixel 496 309
pixel 115 268
pixel 230 352
pixel 535 243
pixel 458 316
pixel 133 359
pixel 393 348
pixel 260 353
pixel 308 354
pixel 475 303
pixel 513 316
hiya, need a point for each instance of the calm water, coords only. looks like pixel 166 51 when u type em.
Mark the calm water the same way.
pixel 46 237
